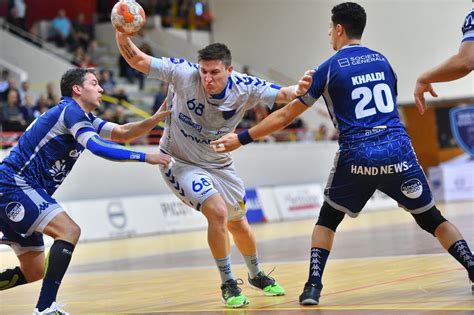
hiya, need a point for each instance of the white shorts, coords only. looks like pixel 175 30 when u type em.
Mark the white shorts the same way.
pixel 193 185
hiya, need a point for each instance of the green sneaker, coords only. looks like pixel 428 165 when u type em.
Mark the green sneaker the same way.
pixel 231 294
pixel 267 284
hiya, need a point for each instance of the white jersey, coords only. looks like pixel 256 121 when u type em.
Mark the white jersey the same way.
pixel 197 118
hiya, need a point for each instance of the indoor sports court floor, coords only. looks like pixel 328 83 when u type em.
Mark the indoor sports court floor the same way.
pixel 382 263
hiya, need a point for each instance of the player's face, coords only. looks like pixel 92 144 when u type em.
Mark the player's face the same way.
pixel 91 92
pixel 214 75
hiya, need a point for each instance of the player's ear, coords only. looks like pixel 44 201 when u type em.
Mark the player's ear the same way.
pixel 339 29
pixel 230 69
pixel 76 89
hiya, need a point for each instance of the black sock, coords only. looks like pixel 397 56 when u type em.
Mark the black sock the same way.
pixel 11 278
pixel 460 250
pixel 319 256
pixel 56 265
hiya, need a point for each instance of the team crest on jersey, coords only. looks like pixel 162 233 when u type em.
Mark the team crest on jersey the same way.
pixel 58 171
pixel 412 188
pixel 15 211
pixel 462 127
pixel 75 153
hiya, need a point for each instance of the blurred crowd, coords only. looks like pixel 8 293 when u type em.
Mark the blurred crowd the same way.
pixel 18 107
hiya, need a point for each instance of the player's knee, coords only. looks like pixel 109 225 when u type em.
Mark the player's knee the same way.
pixel 34 273
pixel 75 232
pixel 330 217
pixel 429 220
pixel 216 214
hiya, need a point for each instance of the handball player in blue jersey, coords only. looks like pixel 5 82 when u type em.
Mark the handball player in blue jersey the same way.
pixel 455 67
pixel 36 167
pixel 359 87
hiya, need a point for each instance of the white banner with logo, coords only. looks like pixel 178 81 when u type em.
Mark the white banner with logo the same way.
pixel 133 216
pixel 452 182
pixel 299 201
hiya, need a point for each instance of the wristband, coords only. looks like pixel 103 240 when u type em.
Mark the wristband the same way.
pixel 244 137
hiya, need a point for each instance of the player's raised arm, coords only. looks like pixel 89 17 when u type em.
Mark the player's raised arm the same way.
pixel 289 93
pixel 275 121
pixel 136 58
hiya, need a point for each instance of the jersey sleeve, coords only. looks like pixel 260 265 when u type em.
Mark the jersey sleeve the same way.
pixel 78 123
pixel 171 69
pixel 103 128
pixel 468 26
pixel 320 78
pixel 262 92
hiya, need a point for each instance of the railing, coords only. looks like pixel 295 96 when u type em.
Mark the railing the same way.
pixel 37 40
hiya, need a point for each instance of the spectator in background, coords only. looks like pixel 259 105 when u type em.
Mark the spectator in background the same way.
pixel 82 32
pixel 78 57
pixel 12 117
pixel 51 94
pixel 94 51
pixel 62 29
pixel 14 21
pixel 17 11
pixel 42 105
pixel 4 84
pixel 23 90
pixel 28 109
pixel 119 93
pixel 107 82
pixel 10 86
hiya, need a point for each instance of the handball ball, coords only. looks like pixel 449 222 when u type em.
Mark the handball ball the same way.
pixel 127 16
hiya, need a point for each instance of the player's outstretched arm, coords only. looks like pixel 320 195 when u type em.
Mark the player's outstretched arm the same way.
pixel 275 121
pixel 116 152
pixel 133 130
pixel 136 58
pixel 453 68
pixel 289 93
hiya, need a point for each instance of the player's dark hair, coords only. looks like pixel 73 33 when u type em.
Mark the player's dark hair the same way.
pixel 216 51
pixel 352 17
pixel 73 77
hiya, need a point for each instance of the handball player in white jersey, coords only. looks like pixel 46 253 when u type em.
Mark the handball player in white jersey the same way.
pixel 208 100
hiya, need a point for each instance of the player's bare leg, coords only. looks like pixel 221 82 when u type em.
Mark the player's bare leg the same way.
pixel 215 211
pixel 244 238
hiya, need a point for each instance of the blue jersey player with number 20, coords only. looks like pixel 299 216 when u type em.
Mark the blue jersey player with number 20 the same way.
pixel 359 87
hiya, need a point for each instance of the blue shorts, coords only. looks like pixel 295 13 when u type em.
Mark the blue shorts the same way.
pixel 389 166
pixel 25 210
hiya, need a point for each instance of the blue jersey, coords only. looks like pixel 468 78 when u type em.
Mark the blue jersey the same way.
pixel 360 88
pixel 47 151
pixel 468 26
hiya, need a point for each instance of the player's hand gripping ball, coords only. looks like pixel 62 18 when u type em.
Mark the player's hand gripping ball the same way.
pixel 127 16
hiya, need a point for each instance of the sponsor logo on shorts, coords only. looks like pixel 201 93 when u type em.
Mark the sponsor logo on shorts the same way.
pixel 412 188
pixel 380 170
pixel 15 211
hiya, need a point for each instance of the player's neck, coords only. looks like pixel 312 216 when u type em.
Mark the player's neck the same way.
pixel 348 42
pixel 84 107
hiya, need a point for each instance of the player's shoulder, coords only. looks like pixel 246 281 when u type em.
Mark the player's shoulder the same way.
pixel 246 81
pixel 468 24
pixel 182 63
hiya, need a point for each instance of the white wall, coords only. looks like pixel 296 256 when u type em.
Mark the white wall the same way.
pixel 290 36
pixel 41 66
